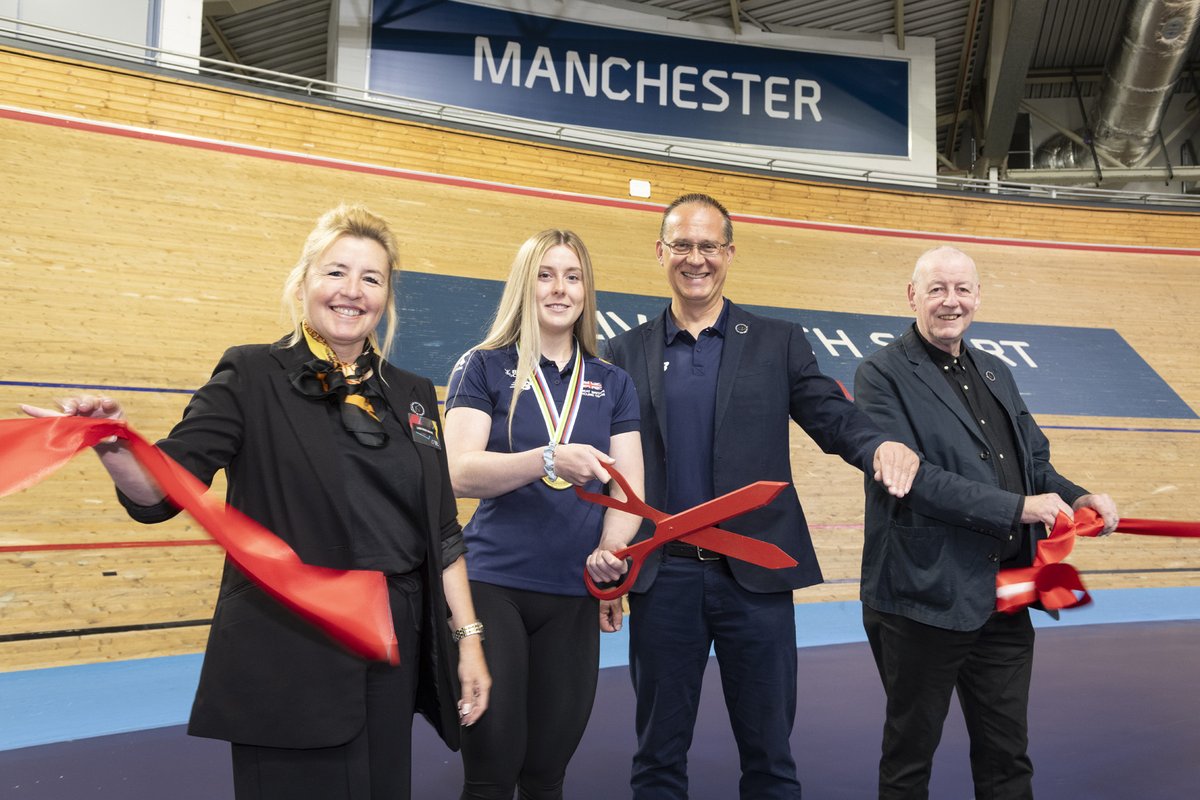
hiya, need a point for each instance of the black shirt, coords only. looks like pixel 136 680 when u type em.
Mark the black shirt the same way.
pixel 969 386
pixel 385 488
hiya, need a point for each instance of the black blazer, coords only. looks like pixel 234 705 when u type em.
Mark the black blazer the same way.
pixel 768 375
pixel 933 556
pixel 269 678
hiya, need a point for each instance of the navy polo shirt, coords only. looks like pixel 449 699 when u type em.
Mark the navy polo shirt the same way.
pixel 690 380
pixel 535 537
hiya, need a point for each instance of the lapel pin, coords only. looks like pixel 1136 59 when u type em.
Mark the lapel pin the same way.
pixel 416 408
pixel 991 376
pixel 741 327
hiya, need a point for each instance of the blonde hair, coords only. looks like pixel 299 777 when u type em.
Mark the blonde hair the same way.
pixel 516 320
pixel 345 220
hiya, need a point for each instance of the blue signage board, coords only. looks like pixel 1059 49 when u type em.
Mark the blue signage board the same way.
pixel 551 69
pixel 1066 371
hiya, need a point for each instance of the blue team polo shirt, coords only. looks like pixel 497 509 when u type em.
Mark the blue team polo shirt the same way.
pixel 690 384
pixel 534 537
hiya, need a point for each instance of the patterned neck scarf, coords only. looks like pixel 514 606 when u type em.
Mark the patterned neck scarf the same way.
pixel 326 377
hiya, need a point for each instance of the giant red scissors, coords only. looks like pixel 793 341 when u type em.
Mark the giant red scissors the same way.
pixel 694 526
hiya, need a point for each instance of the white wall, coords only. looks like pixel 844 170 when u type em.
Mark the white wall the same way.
pixel 169 24
pixel 179 26
pixel 123 20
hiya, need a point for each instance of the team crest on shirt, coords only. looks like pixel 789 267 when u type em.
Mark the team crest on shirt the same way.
pixel 592 389
pixel 512 373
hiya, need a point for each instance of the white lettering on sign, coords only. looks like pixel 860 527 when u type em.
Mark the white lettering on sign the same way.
pixel 682 86
pixel 882 339
pixel 842 339
pixel 998 350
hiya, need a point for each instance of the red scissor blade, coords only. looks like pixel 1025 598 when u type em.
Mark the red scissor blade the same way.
pixel 632 504
pixel 715 511
pixel 734 545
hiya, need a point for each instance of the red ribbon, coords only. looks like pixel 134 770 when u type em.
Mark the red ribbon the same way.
pixel 350 605
pixel 1056 584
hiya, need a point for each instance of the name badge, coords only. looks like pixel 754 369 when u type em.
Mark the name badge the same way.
pixel 424 431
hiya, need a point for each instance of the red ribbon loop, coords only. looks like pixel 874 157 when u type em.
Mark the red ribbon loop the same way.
pixel 1056 584
pixel 1049 581
pixel 350 605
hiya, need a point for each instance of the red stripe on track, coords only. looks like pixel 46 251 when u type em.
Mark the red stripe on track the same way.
pixel 30 548
pixel 959 237
pixel 184 140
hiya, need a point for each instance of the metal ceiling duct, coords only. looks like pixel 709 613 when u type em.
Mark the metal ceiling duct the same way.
pixel 1138 81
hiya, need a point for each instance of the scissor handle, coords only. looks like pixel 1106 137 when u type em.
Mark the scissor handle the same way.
pixel 635 554
pixel 619 588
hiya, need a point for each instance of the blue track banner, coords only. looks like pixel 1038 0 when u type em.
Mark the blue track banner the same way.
pixel 1068 371
pixel 551 69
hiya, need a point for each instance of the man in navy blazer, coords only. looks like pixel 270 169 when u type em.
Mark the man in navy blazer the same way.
pixel 717 387
pixel 984 495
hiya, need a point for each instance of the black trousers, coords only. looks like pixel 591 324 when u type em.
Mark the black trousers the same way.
pixel 377 763
pixel 543 652
pixel 990 668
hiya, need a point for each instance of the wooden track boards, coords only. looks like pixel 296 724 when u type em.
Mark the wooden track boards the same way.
pixel 134 263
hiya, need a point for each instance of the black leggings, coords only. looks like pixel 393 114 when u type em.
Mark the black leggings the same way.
pixel 543 652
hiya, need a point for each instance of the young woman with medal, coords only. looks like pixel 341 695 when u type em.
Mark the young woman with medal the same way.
pixel 335 450
pixel 530 412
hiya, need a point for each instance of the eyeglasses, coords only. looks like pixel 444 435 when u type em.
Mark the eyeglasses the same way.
pixel 706 248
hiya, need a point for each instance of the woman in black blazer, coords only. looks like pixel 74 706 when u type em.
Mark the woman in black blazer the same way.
pixel 339 454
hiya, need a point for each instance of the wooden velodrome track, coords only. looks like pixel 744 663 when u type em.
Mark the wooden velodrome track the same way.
pixel 133 259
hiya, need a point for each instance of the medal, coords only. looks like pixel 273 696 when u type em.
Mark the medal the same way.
pixel 559 422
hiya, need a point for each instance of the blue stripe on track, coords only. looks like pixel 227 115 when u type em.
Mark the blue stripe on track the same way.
pixel 64 703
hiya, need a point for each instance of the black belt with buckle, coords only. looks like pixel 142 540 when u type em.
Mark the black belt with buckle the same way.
pixel 685 550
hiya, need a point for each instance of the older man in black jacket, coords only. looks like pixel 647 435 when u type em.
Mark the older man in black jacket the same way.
pixel 983 496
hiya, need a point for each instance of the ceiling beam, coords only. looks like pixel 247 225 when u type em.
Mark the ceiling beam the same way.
pixel 223 8
pixel 1169 138
pixel 898 24
pixel 735 14
pixel 966 59
pixel 1118 176
pixel 214 30
pixel 1059 127
pixel 1016 25
pixel 762 26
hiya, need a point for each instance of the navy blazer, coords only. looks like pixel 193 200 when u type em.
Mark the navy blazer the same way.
pixel 933 555
pixel 768 376
pixel 270 678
